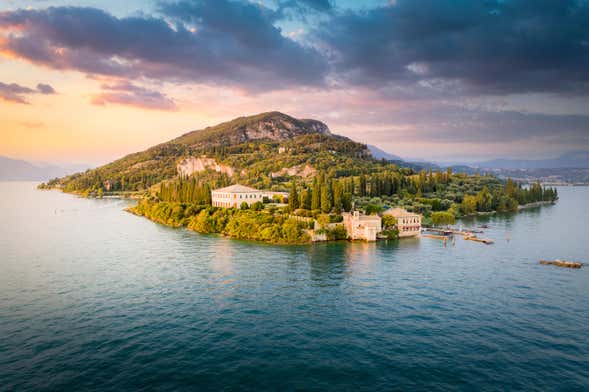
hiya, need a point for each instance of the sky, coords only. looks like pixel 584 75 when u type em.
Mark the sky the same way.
pixel 89 81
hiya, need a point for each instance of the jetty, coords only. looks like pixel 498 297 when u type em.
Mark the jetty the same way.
pixel 436 236
pixel 562 263
pixel 449 232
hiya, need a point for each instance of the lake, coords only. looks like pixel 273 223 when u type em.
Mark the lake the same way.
pixel 94 298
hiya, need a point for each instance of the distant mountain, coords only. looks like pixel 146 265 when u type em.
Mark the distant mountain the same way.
pixel 573 159
pixel 19 170
pixel 377 153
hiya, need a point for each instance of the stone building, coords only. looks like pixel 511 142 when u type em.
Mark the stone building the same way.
pixel 234 195
pixel 408 223
pixel 362 227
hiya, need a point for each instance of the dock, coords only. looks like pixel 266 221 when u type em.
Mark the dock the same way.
pixel 467 235
pixel 562 263
pixel 436 236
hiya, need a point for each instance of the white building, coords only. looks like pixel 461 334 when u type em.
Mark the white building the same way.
pixel 234 195
pixel 408 223
pixel 362 227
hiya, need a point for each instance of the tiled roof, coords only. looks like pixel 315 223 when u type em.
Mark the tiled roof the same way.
pixel 237 189
pixel 399 212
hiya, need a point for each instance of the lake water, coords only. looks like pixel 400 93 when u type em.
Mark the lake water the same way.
pixel 92 297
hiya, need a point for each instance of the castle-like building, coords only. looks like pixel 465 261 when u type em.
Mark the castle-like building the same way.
pixel 362 227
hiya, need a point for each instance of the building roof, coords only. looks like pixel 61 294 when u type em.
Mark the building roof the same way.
pixel 362 217
pixel 400 213
pixel 237 189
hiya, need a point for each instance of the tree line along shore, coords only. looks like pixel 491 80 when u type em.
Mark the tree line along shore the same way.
pixel 186 202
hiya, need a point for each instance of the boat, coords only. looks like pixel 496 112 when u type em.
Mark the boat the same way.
pixel 473 237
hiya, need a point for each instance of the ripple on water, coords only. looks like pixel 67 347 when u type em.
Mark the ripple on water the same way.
pixel 101 299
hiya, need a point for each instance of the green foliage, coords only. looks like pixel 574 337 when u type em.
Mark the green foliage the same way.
pixel 336 233
pixel 293 197
pixel 185 190
pixel 443 218
pixel 248 224
pixel 390 234
pixel 388 221
pixel 372 209
pixel 325 199
pixel 257 206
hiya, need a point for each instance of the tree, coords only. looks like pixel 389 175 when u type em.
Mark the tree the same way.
pixel 484 200
pixel 372 209
pixel 305 199
pixel 388 221
pixel 325 199
pixel 337 197
pixel 244 206
pixel 257 206
pixel 443 218
pixel 347 201
pixel 316 195
pixel 293 197
pixel 469 204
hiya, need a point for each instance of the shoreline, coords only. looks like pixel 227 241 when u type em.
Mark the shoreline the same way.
pixel 535 204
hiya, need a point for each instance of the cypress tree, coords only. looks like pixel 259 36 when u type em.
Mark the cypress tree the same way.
pixel 293 197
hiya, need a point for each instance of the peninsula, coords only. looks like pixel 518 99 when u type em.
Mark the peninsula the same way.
pixel 275 178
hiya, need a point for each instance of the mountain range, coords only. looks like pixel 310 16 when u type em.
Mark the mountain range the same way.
pixel 572 159
pixel 19 170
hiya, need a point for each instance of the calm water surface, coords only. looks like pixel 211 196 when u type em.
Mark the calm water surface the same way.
pixel 95 298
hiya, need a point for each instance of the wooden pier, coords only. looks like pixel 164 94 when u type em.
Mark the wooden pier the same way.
pixel 436 236
pixel 467 235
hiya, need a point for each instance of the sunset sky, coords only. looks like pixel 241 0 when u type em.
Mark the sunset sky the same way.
pixel 89 81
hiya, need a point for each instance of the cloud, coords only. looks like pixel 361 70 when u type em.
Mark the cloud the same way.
pixel 45 89
pixel 16 93
pixel 221 42
pixel 482 47
pixel 125 93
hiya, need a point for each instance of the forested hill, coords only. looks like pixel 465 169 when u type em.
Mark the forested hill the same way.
pixel 254 150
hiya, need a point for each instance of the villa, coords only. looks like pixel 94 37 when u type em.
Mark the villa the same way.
pixel 362 227
pixel 408 223
pixel 235 195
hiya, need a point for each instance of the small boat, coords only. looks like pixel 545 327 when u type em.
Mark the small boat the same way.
pixel 472 237
pixel 562 263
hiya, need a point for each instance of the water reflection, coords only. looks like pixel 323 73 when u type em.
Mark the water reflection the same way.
pixel 327 263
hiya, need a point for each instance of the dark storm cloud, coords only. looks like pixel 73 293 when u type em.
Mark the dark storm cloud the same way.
pixel 16 93
pixel 124 93
pixel 490 46
pixel 223 41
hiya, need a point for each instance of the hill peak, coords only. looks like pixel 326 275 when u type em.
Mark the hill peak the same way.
pixel 274 125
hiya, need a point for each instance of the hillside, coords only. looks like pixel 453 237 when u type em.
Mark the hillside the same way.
pixel 256 150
